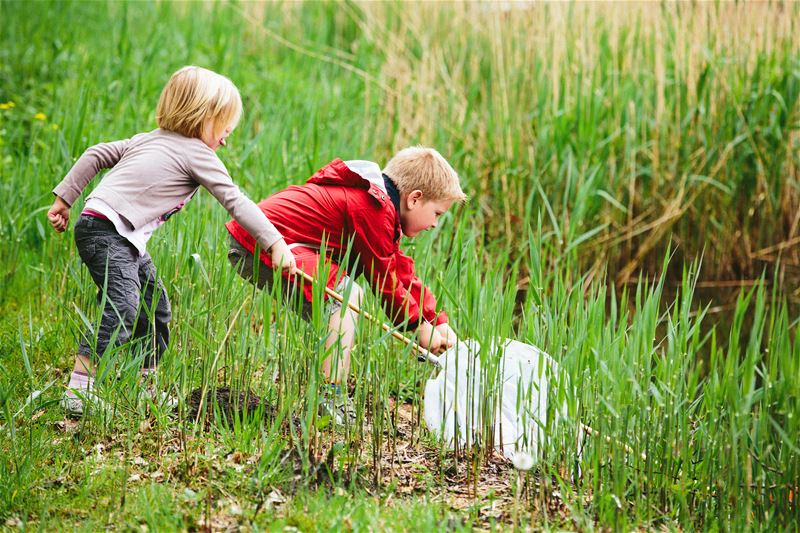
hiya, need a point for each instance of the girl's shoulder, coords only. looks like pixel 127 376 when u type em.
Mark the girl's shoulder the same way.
pixel 180 143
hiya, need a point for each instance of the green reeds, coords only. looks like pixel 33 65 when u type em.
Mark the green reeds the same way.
pixel 588 140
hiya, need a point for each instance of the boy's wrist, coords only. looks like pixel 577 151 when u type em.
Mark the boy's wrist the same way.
pixel 423 324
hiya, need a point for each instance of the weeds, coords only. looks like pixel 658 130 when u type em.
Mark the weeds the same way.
pixel 595 148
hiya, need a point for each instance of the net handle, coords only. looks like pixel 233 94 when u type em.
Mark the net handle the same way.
pixel 424 354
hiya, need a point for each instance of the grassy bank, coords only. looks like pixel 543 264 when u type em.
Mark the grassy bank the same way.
pixel 594 142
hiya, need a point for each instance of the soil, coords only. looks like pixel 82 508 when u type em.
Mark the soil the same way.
pixel 230 403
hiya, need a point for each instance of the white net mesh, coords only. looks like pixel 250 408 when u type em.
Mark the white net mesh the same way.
pixel 503 391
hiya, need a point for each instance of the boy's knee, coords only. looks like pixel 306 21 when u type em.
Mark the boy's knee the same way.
pixel 356 293
pixel 350 290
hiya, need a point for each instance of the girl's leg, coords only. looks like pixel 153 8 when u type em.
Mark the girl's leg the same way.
pixel 84 365
pixel 152 330
pixel 81 380
pixel 111 261
pixel 113 264
pixel 152 324
pixel 341 334
pixel 119 285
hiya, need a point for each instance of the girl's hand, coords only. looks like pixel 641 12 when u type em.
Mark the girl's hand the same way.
pixel 449 337
pixel 430 338
pixel 58 215
pixel 282 257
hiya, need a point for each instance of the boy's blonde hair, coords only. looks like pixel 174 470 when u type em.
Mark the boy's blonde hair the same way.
pixel 195 97
pixel 423 168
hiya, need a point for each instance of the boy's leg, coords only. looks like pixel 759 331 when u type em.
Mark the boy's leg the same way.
pixel 339 343
pixel 341 325
pixel 341 333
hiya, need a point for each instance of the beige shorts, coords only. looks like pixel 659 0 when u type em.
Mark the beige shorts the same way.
pixel 243 261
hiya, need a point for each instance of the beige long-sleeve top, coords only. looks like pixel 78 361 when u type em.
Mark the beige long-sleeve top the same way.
pixel 153 173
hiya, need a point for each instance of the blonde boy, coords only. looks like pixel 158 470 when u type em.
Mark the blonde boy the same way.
pixel 353 204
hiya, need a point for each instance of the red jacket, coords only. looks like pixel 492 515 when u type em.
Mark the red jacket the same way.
pixel 337 205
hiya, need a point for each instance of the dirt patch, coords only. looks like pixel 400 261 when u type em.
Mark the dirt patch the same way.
pixel 409 467
pixel 231 403
pixel 404 466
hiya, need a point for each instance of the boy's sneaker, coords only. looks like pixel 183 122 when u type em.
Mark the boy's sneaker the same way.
pixel 335 404
pixel 79 402
pixel 160 398
pixel 149 391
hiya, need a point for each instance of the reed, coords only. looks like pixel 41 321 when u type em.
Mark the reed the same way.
pixel 615 155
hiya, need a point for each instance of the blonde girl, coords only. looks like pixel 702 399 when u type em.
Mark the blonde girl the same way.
pixel 152 176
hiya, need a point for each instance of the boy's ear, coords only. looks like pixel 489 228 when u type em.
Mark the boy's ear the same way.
pixel 414 198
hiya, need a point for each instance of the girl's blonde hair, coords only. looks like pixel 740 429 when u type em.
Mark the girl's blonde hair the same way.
pixel 195 97
pixel 425 169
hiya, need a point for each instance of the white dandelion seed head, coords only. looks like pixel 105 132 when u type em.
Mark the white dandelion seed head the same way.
pixel 522 461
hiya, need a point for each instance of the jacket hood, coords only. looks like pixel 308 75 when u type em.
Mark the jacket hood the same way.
pixel 354 173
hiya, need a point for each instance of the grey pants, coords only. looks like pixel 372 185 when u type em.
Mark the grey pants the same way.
pixel 136 305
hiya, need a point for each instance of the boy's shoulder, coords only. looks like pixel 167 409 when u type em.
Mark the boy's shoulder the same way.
pixel 364 177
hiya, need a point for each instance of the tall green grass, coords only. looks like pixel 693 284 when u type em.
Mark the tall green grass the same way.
pixel 640 125
pixel 584 138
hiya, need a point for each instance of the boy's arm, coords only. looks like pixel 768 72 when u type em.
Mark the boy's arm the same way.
pixel 210 172
pixel 93 160
pixel 422 294
pixel 389 271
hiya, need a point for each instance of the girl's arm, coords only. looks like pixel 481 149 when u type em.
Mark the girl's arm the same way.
pixel 93 160
pixel 210 172
pixel 58 215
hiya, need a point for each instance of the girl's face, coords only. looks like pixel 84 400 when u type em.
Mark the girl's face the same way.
pixel 215 141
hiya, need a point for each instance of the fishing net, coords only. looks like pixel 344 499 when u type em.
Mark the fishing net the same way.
pixel 499 396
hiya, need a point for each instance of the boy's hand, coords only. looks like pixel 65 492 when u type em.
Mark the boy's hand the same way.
pixel 429 338
pixel 58 215
pixel 282 257
pixel 449 337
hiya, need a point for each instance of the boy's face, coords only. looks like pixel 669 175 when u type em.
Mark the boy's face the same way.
pixel 418 214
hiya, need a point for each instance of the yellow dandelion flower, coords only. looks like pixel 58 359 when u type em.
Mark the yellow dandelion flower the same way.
pixel 54 126
pixel 5 106
pixel 11 104
pixel 40 116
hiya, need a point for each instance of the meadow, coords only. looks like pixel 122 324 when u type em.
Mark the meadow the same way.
pixel 625 164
